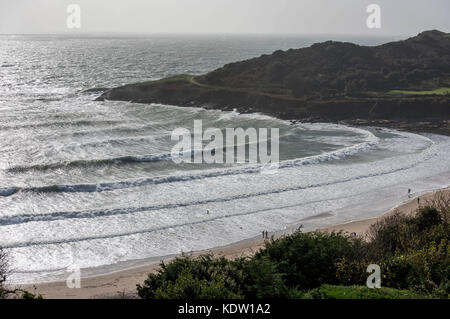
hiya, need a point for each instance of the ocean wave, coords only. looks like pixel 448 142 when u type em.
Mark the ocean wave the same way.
pixel 25 218
pixel 119 141
pixel 90 163
pixel 60 124
pixel 371 142
pixel 120 160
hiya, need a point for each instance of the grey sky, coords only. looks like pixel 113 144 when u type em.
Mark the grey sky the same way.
pixel 399 17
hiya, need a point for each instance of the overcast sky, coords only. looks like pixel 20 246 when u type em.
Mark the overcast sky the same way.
pixel 399 17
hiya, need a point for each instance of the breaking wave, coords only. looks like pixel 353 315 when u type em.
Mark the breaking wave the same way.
pixel 370 142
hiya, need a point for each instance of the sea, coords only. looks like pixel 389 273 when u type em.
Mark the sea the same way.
pixel 93 185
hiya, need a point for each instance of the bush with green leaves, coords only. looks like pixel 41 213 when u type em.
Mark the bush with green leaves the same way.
pixel 308 260
pixel 281 270
pixel 413 251
pixel 399 234
pixel 200 270
pixel 426 269
pixel 352 271
pixel 186 286
pixel 262 279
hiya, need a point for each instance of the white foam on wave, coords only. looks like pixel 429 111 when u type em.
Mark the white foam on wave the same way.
pixel 370 142
pixel 229 115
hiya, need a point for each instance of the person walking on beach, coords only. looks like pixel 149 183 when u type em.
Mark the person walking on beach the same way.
pixel 263 234
pixel 409 192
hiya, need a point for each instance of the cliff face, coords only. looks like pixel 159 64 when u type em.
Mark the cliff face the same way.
pixel 330 81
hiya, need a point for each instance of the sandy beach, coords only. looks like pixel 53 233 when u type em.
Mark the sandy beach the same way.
pixel 122 284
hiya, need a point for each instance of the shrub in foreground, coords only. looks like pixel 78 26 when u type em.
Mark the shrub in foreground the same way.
pixel 282 269
pixel 192 277
pixel 413 253
pixel 308 260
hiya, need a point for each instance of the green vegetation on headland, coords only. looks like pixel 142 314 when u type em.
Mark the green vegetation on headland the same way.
pixel 176 78
pixel 403 84
pixel 413 253
pixel 440 91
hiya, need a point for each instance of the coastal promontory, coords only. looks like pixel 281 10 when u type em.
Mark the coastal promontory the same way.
pixel 403 84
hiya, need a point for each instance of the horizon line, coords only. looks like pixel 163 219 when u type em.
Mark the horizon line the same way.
pixel 130 33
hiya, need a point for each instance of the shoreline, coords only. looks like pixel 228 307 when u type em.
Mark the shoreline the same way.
pixel 151 94
pixel 122 283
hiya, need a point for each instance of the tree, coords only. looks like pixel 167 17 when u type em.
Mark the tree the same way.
pixel 3 272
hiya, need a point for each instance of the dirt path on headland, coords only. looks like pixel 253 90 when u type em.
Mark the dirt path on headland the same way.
pixel 123 283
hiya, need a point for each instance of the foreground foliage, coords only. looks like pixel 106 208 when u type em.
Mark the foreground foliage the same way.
pixel 412 251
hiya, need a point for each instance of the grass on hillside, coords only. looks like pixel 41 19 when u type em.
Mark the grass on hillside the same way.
pixel 176 78
pixel 440 91
pixel 359 292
